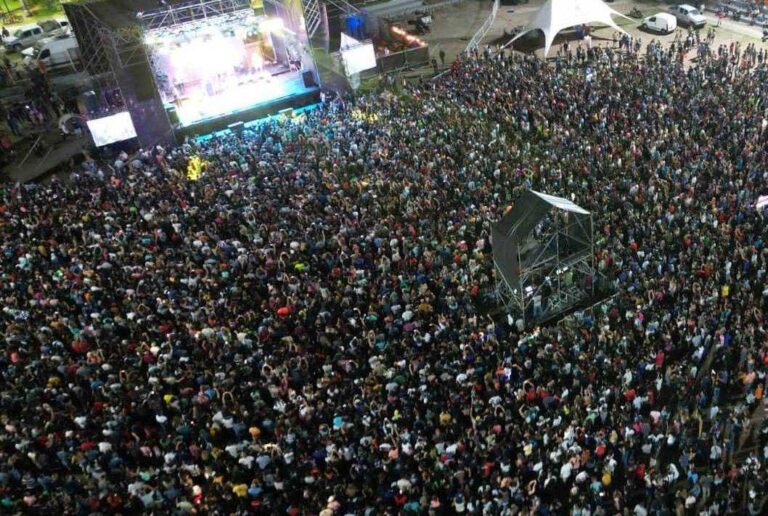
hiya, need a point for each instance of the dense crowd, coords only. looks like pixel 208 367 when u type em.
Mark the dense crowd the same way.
pixel 304 329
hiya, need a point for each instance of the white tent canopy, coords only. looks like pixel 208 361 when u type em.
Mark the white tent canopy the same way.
pixel 556 15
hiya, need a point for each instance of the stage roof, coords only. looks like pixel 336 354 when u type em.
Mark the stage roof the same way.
pixel 118 14
pixel 560 203
pixel 511 235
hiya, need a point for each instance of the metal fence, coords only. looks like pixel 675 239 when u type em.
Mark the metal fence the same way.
pixel 483 30
pixel 411 58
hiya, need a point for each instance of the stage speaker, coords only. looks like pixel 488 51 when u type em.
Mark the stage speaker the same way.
pixel 90 102
pixel 136 82
pixel 173 116
pixel 309 80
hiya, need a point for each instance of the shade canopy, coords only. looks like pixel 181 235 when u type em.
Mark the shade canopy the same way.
pixel 560 203
pixel 556 15
pixel 516 248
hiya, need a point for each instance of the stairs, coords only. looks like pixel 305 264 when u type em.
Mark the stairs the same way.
pixel 312 17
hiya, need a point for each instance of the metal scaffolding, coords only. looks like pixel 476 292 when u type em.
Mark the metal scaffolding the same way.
pixel 104 49
pixel 313 16
pixel 88 30
pixel 186 12
pixel 317 12
pixel 543 252
pixel 111 42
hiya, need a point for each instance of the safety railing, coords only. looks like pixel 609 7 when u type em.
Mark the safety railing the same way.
pixel 411 58
pixel 484 28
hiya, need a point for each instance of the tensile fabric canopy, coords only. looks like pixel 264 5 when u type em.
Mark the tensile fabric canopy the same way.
pixel 556 15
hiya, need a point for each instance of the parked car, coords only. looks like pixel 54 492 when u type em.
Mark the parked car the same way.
pixel 663 23
pixel 688 15
pixel 55 26
pixel 55 52
pixel 23 37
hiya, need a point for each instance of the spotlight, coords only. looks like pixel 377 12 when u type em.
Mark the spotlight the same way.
pixel 272 25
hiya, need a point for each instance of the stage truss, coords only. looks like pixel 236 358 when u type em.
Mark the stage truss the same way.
pixel 112 39
pixel 518 298
pixel 541 277
pixel 179 14
pixel 105 49
pixel 316 13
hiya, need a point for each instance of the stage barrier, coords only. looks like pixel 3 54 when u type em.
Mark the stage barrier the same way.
pixel 484 28
pixel 411 58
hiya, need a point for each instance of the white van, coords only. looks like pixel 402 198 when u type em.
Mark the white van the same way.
pixel 23 37
pixel 663 23
pixel 55 52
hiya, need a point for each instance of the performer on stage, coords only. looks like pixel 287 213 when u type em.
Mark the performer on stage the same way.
pixel 257 62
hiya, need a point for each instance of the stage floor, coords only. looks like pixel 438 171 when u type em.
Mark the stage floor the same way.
pixel 198 106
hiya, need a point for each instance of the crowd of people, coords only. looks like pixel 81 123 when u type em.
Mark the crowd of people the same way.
pixel 26 116
pixel 305 327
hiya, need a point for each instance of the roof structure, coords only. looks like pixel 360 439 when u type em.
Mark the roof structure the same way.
pixel 556 15
pixel 543 253
pixel 117 14
pixel 514 247
pixel 560 203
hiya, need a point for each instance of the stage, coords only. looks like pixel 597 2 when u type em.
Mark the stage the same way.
pixel 220 70
pixel 205 101
pixel 186 67
pixel 271 107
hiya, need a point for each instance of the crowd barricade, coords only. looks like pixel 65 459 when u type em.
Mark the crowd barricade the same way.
pixel 411 58
pixel 484 28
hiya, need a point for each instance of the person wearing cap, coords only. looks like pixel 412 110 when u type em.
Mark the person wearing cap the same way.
pixel 459 505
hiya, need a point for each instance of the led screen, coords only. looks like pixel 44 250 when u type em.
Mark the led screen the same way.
pixel 360 58
pixel 111 129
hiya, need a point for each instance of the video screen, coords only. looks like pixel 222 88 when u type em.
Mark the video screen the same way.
pixel 111 129
pixel 225 65
pixel 360 58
